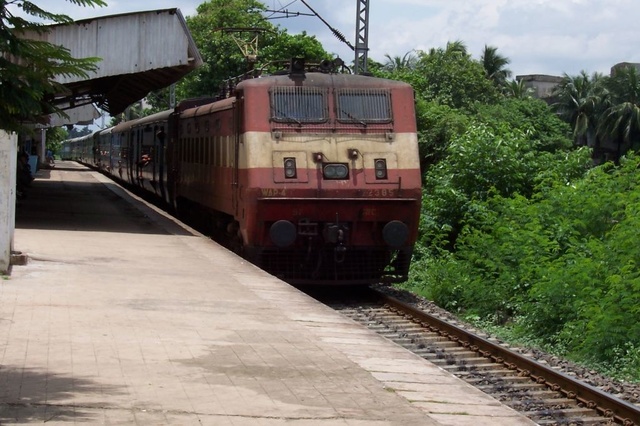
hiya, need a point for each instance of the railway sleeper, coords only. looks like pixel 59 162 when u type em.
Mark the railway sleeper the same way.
pixel 466 360
pixel 566 402
pixel 434 340
pixel 524 398
pixel 538 394
pixel 525 387
pixel 426 339
pixel 581 421
pixel 471 358
pixel 479 370
pixel 581 416
pixel 432 345
pixel 510 380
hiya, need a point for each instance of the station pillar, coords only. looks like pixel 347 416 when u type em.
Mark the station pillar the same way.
pixel 8 164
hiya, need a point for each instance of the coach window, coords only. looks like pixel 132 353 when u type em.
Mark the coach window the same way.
pixel 363 106
pixel 299 105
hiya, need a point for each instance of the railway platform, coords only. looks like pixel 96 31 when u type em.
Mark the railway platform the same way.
pixel 123 315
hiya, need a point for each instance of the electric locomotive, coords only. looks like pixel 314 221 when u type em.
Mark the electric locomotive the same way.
pixel 311 174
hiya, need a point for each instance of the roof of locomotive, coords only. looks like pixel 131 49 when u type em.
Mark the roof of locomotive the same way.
pixel 199 106
pixel 322 79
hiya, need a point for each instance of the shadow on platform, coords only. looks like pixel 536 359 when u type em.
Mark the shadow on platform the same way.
pixel 70 199
pixel 38 396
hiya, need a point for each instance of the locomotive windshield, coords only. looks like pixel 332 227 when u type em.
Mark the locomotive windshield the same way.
pixel 363 106
pixel 299 105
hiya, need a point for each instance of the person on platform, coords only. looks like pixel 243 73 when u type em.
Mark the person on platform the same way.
pixel 23 175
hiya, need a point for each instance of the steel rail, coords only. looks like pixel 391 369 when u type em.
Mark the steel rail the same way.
pixel 606 404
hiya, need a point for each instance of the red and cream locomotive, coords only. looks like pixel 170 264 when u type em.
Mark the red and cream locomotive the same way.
pixel 313 176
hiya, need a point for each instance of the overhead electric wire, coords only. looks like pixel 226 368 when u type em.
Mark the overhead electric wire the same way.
pixel 335 32
pixel 286 14
pixel 284 11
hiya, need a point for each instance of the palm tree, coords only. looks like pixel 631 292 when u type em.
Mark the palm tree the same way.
pixel 517 89
pixel 455 47
pixel 621 120
pixel 580 101
pixel 397 63
pixel 494 65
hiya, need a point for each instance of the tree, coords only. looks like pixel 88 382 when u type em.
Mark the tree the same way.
pixel 457 47
pixel 282 47
pixel 517 89
pixel 580 101
pixel 494 65
pixel 55 137
pixel 397 63
pixel 133 111
pixel 437 126
pixel 620 122
pixel 542 127
pixel 450 77
pixel 212 28
pixel 28 67
pixel 75 132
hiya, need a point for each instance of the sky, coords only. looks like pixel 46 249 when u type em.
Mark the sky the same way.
pixel 550 37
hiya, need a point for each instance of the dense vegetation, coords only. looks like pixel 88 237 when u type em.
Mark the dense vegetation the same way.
pixel 519 229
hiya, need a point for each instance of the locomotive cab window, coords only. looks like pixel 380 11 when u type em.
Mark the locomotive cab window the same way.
pixel 299 105
pixel 363 106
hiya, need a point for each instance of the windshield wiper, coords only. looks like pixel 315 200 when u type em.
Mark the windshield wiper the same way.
pixel 352 117
pixel 287 117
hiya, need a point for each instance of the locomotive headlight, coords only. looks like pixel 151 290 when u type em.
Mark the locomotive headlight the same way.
pixel 283 233
pixel 290 170
pixel 335 171
pixel 380 165
pixel 395 233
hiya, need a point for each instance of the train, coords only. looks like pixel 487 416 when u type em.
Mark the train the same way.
pixel 310 173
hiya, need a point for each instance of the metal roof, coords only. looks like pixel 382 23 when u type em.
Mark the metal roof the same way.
pixel 140 52
pixel 84 114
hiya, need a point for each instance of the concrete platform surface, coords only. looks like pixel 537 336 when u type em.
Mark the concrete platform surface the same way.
pixel 124 316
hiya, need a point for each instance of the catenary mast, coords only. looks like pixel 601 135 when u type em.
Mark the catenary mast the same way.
pixel 361 48
pixel 362 37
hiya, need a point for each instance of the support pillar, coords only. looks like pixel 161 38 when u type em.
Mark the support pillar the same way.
pixel 8 164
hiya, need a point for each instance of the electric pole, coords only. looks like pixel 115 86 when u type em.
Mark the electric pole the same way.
pixel 361 48
pixel 362 37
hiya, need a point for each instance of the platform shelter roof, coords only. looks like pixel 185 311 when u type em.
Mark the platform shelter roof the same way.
pixel 140 52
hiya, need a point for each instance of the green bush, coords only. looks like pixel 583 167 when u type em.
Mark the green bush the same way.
pixel 560 266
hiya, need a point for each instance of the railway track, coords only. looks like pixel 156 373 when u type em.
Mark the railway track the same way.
pixel 543 394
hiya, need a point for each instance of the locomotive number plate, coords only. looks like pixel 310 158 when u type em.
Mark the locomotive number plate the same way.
pixel 274 192
pixel 378 193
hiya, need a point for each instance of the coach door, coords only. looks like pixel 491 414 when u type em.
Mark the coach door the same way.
pixel 130 155
pixel 161 161
pixel 237 129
